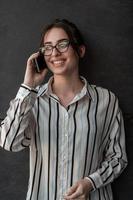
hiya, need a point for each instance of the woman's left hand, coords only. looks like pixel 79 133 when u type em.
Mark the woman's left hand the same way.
pixel 80 190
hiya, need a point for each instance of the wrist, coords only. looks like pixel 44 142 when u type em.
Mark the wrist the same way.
pixel 29 88
pixel 30 85
pixel 90 184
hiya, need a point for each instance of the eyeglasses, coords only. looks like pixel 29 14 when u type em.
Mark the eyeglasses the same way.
pixel 61 47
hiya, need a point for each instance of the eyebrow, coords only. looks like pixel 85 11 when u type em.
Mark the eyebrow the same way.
pixel 57 41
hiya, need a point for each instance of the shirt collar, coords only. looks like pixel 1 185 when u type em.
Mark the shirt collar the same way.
pixel 88 90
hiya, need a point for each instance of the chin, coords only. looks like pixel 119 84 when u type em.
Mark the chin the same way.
pixel 59 71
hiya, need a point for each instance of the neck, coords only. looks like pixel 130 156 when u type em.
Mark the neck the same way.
pixel 63 85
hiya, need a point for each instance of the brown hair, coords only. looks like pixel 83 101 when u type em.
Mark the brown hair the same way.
pixel 70 28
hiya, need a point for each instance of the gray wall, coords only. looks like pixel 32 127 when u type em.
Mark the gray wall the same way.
pixel 107 27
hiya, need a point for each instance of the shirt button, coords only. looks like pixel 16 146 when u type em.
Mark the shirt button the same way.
pixel 66 116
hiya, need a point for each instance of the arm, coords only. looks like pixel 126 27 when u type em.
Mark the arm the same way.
pixel 113 163
pixel 16 129
pixel 114 160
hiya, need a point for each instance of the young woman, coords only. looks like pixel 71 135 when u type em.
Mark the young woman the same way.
pixel 74 130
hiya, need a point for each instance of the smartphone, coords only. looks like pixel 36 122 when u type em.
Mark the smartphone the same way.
pixel 39 62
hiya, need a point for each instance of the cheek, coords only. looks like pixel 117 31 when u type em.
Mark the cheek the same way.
pixel 73 55
pixel 74 59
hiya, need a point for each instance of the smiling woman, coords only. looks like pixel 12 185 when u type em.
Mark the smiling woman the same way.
pixel 74 130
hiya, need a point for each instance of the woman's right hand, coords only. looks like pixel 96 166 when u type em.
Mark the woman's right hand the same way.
pixel 32 77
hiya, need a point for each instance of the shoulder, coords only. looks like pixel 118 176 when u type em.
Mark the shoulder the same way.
pixel 105 100
pixel 102 96
pixel 101 91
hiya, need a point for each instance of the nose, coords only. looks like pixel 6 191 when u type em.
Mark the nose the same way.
pixel 55 52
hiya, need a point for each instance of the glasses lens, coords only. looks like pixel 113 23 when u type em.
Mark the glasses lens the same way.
pixel 46 50
pixel 62 46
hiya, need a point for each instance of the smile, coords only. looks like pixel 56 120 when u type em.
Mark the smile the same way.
pixel 58 62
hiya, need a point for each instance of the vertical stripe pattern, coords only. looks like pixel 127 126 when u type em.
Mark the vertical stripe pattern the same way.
pixel 86 139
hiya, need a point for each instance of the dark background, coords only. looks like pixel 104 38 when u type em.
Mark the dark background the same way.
pixel 107 26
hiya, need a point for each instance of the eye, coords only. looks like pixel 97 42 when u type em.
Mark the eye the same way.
pixel 63 44
pixel 47 47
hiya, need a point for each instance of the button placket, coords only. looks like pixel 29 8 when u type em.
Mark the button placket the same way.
pixel 65 150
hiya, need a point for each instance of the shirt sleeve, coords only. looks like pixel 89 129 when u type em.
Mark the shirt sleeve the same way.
pixel 114 159
pixel 17 127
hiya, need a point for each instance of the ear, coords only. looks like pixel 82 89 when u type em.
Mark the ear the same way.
pixel 82 51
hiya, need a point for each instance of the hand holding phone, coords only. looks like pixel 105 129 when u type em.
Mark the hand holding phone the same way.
pixel 35 70
pixel 39 62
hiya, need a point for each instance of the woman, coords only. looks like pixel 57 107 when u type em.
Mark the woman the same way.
pixel 74 130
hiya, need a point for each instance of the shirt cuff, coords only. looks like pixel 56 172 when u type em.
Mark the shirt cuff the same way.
pixel 92 183
pixel 96 179
pixel 25 91
pixel 28 88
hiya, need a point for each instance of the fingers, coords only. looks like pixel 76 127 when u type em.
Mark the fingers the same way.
pixel 72 189
pixel 30 59
pixel 34 55
pixel 80 190
pixel 78 194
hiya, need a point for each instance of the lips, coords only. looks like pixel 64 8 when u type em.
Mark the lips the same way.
pixel 58 62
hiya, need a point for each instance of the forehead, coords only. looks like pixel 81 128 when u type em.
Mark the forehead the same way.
pixel 55 34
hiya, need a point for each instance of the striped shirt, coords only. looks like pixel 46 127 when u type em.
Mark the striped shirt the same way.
pixel 86 139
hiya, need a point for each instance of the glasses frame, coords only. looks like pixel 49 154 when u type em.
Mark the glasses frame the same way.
pixel 55 47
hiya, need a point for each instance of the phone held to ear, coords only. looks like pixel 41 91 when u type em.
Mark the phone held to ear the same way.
pixel 39 62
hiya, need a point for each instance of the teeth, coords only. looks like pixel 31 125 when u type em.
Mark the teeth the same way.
pixel 58 62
